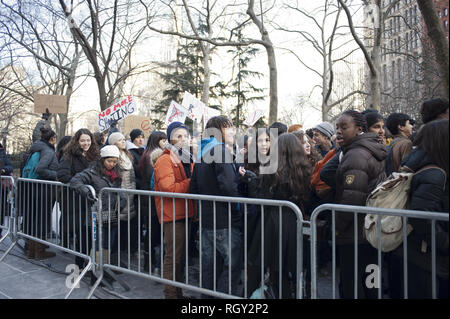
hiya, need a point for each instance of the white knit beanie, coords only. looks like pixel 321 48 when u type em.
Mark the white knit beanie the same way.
pixel 115 137
pixel 110 151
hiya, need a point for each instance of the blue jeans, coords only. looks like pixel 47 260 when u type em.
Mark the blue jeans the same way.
pixel 106 236
pixel 222 259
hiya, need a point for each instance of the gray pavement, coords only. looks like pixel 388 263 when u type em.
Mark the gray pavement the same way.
pixel 21 278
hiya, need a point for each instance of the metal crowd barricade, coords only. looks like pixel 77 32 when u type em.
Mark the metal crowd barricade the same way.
pixel 361 210
pixel 111 233
pixel 34 203
pixel 6 207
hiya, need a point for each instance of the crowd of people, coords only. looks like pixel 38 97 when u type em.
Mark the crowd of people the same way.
pixel 339 164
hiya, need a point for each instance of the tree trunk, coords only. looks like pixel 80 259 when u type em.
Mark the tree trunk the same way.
pixel 438 39
pixel 273 107
pixel 207 79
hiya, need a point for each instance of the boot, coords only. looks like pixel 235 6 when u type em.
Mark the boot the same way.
pixel 40 253
pixel 31 249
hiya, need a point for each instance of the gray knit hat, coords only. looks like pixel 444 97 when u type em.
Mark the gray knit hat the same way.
pixel 115 137
pixel 326 129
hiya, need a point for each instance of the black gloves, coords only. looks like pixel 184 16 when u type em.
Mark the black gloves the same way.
pixel 86 192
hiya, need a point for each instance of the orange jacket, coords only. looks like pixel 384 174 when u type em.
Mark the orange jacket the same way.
pixel 316 182
pixel 170 177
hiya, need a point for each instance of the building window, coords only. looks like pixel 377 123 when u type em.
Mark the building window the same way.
pixel 446 12
pixel 440 14
pixel 446 24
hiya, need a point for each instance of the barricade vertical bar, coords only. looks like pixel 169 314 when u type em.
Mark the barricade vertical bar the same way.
pixel 149 234
pixel 139 233
pixel 299 281
pixel 75 197
pixel 433 259
pixel 76 231
pixel 405 259
pixel 200 243
pixel 118 230
pixel 355 221
pixel 128 232
pixel 109 226
pixel 262 252
pixel 162 236
pixel 245 251
pixel 313 256
pixel 86 228
pixel 214 224
pixel 333 244
pixel 229 248
pixel 380 269
pixel 280 231
pixel 39 213
pixel 186 242
pixel 173 241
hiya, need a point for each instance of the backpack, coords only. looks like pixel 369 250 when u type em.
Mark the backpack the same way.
pixel 29 170
pixel 392 193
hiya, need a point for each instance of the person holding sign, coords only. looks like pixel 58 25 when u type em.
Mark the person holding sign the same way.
pixel 172 173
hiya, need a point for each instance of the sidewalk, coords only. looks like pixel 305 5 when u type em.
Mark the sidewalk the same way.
pixel 21 278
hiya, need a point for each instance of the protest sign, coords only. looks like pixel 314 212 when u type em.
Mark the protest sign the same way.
pixel 209 113
pixel 54 103
pixel 139 122
pixel 253 117
pixel 176 113
pixel 193 105
pixel 116 112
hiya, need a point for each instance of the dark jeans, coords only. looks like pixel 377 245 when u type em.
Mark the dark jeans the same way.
pixel 223 251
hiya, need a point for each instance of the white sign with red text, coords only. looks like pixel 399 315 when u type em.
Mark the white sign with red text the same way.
pixel 116 112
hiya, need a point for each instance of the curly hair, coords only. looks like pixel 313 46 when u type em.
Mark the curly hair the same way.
pixel 73 147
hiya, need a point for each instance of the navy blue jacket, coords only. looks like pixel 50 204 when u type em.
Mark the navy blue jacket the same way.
pixel 215 174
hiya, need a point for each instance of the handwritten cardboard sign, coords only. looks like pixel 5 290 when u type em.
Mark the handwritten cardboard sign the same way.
pixel 137 121
pixel 116 112
pixel 54 103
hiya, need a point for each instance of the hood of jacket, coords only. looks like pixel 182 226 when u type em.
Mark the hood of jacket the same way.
pixel 371 142
pixel 206 145
pixel 155 155
pixel 417 159
pixel 131 146
pixel 40 145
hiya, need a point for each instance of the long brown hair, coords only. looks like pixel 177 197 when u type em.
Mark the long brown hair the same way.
pixel 314 155
pixel 433 139
pixel 294 169
pixel 253 146
pixel 73 146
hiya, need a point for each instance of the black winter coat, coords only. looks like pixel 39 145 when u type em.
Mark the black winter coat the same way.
pixel 429 192
pixel 91 176
pixel 220 179
pixel 271 228
pixel 136 152
pixel 70 165
pixel 361 169
pixel 48 163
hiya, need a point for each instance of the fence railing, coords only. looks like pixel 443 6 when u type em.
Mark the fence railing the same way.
pixel 265 246
pixel 274 226
pixel 427 225
pixel 6 206
pixel 31 220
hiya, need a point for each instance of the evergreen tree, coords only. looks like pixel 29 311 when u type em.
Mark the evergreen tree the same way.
pixel 183 75
pixel 241 88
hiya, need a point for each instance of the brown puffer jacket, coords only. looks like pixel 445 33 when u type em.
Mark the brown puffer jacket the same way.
pixel 360 170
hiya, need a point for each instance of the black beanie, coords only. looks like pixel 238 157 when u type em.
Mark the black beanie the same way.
pixel 135 133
